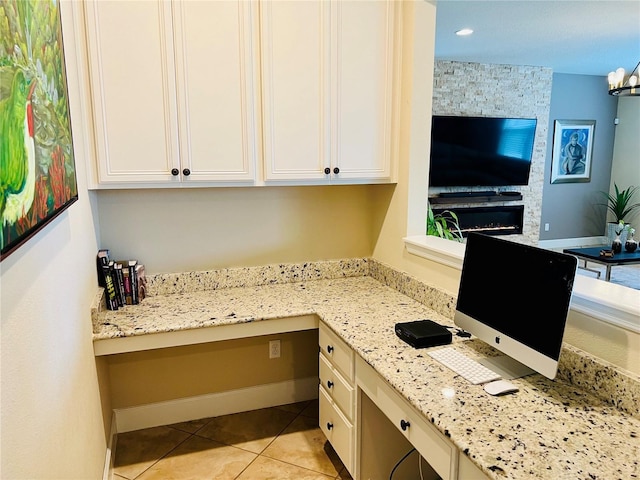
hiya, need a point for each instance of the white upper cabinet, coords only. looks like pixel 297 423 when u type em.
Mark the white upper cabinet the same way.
pixel 296 47
pixel 328 71
pixel 362 93
pixel 216 72
pixel 134 104
pixel 174 92
pixel 233 92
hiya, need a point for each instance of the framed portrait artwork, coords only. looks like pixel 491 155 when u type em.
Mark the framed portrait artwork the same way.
pixel 37 166
pixel 572 151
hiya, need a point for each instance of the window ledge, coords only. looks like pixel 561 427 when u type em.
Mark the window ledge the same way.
pixel 605 301
pixel 436 249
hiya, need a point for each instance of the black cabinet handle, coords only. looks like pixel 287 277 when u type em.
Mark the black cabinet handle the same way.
pixel 329 348
pixel 329 384
pixel 186 172
pixel 404 425
pixel 336 170
pixel 329 425
pixel 175 172
pixel 327 171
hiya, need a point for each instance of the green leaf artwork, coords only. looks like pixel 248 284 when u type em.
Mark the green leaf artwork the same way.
pixel 37 166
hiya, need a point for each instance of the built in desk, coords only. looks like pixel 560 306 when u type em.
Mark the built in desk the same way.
pixel 584 424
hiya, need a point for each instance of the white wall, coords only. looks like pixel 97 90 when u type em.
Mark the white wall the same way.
pixel 51 419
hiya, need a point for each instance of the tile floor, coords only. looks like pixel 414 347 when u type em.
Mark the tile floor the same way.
pixel 271 443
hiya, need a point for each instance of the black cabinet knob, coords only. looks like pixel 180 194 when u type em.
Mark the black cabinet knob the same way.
pixel 329 348
pixel 329 384
pixel 186 172
pixel 404 425
pixel 336 170
pixel 329 425
pixel 175 172
pixel 327 171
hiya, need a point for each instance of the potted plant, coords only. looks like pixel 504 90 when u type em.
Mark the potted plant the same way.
pixel 443 225
pixel 619 204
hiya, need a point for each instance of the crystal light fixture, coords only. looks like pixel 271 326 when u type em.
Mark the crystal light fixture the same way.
pixel 621 86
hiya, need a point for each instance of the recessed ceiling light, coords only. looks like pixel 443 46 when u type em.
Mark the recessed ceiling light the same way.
pixel 464 32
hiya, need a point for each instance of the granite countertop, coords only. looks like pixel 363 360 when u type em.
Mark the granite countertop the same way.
pixel 581 425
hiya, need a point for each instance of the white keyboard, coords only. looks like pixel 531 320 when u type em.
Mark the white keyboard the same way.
pixel 464 366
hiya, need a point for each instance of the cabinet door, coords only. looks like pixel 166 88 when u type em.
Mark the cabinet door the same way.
pixel 131 72
pixel 216 60
pixel 295 47
pixel 363 77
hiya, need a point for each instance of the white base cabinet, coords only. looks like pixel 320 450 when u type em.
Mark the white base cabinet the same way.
pixel 337 395
pixel 441 454
pixel 344 378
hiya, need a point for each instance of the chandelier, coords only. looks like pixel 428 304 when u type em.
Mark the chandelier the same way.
pixel 621 86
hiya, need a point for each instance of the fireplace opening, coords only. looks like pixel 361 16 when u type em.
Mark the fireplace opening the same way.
pixel 501 220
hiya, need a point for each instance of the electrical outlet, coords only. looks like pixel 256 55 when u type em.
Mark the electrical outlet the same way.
pixel 274 349
pixel 546 227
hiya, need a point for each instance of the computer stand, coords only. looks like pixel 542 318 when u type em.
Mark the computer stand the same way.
pixel 506 367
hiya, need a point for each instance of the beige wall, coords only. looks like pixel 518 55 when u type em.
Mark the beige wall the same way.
pixel 202 229
pixel 612 343
pixel 140 378
pixel 406 212
pixel 51 422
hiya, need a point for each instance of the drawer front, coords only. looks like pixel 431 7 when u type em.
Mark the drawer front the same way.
pixel 340 391
pixel 431 444
pixel 439 452
pixel 338 430
pixel 338 353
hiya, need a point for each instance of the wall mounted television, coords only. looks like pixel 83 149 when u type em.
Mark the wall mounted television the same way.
pixel 480 151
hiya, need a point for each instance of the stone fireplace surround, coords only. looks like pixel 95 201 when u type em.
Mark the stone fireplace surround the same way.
pixel 473 89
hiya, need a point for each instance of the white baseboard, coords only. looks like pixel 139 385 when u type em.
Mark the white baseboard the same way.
pixel 215 404
pixel 573 242
pixel 110 456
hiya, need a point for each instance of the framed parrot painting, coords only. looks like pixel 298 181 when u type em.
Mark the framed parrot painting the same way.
pixel 37 166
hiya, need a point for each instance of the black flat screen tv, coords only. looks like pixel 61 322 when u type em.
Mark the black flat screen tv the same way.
pixel 480 151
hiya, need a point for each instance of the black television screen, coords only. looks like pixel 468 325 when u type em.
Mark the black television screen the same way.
pixel 480 151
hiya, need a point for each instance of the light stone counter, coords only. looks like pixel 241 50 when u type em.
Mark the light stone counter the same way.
pixel 583 425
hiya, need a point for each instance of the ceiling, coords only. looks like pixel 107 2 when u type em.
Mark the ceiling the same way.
pixel 585 37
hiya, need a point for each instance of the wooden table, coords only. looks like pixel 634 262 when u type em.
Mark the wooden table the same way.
pixel 592 254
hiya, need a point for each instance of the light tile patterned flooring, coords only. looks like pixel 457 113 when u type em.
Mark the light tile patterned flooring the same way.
pixel 271 443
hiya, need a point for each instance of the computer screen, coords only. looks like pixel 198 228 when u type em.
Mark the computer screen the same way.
pixel 516 298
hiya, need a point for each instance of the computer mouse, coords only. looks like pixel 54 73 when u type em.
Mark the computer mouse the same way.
pixel 500 387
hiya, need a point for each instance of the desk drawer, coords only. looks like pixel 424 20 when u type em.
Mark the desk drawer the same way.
pixel 340 391
pixel 338 430
pixel 336 351
pixel 432 445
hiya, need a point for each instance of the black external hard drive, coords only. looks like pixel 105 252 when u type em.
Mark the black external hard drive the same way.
pixel 423 333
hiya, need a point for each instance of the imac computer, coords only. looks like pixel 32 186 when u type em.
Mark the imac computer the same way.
pixel 516 298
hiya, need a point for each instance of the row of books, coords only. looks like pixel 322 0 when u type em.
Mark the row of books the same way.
pixel 123 280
